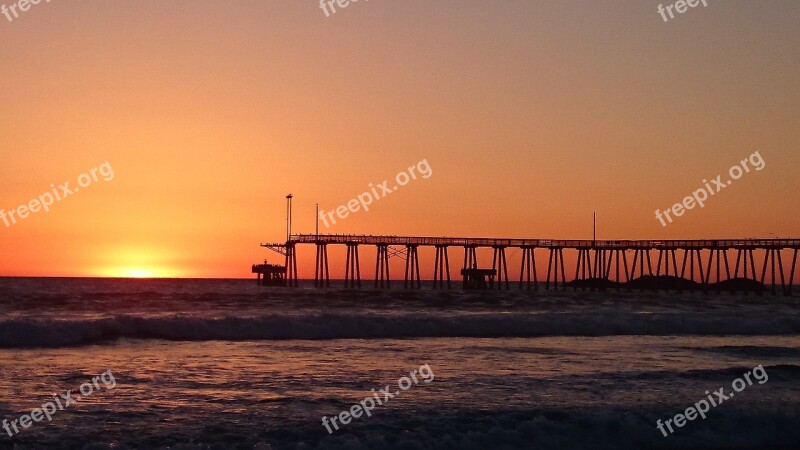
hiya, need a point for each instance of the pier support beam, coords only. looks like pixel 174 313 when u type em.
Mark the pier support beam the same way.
pixel 703 279
pixel 710 264
pixel 791 277
pixel 690 255
pixel 639 255
pixel 470 260
pixel 741 256
pixel 528 268
pixel 291 265
pixel 322 277
pixel 664 256
pixel 556 261
pixel 584 266
pixel 412 267
pixel 769 259
pixel 352 268
pixel 441 268
pixel 715 253
pixel 382 267
pixel 500 266
pixel 599 270
pixel 621 253
pixel 719 254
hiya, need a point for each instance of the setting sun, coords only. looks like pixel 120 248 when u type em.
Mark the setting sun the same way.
pixel 138 273
pixel 135 262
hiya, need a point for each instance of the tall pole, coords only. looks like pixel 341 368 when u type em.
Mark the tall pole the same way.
pixel 288 217
pixel 316 220
pixel 594 228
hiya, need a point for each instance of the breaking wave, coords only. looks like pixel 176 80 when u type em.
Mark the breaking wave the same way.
pixel 29 332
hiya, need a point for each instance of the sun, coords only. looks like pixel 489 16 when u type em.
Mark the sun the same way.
pixel 136 261
pixel 139 273
pixel 134 272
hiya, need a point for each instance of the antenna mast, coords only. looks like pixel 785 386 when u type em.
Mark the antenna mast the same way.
pixel 288 217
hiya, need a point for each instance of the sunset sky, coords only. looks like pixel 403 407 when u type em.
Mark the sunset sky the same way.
pixel 532 114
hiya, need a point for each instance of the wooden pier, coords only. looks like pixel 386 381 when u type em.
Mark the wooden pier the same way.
pixel 713 265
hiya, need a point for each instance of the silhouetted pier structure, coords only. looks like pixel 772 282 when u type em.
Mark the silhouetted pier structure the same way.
pixel 732 264
pixel 269 274
pixel 477 278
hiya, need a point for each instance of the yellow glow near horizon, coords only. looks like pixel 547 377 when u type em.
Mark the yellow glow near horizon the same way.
pixel 139 273
pixel 133 262
pixel 134 272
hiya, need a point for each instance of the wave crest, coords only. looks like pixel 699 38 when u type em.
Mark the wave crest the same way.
pixel 20 333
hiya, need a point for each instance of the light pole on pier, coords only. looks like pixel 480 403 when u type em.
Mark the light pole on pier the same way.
pixel 288 217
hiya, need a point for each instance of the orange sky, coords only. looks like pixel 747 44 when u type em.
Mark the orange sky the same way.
pixel 531 115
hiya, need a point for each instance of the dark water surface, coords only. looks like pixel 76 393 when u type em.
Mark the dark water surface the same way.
pixel 224 364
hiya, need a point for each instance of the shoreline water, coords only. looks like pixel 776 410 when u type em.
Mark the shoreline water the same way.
pixel 225 364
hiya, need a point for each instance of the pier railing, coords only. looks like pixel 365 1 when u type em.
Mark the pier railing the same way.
pixel 543 243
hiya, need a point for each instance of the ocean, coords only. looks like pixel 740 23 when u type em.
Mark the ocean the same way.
pixel 224 364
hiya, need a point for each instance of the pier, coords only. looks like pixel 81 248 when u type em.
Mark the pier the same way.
pixel 722 265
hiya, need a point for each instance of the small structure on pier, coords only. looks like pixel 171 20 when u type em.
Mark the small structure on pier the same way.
pixel 270 274
pixel 475 278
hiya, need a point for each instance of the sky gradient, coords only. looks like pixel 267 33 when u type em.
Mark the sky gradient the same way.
pixel 531 114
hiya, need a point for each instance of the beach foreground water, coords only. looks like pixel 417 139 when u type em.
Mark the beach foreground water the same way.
pixel 224 364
